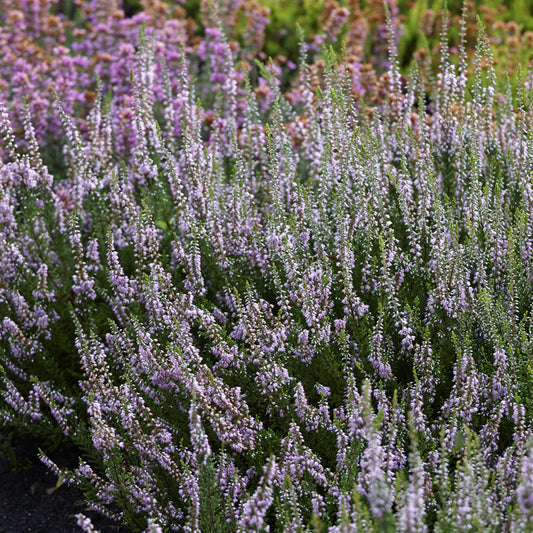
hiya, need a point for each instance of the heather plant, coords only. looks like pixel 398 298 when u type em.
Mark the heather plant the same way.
pixel 66 47
pixel 508 29
pixel 61 46
pixel 278 312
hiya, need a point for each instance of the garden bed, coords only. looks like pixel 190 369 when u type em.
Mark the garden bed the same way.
pixel 30 500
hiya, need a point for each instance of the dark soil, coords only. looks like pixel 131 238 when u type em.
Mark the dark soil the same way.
pixel 30 502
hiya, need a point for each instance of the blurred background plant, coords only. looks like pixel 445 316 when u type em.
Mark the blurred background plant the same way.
pixel 63 43
pixel 508 23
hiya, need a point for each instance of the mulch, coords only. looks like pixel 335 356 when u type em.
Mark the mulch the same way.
pixel 30 501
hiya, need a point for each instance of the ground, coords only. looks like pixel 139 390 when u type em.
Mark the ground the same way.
pixel 30 503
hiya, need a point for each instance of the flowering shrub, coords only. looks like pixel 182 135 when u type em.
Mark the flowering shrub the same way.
pixel 48 46
pixel 278 313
